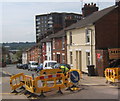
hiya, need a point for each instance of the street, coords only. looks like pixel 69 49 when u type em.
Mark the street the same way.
pixel 91 87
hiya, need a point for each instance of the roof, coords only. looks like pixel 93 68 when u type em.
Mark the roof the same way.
pixel 91 19
pixel 46 39
pixel 61 33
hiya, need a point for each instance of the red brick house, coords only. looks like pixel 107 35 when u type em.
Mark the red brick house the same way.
pixel 33 54
pixel 59 49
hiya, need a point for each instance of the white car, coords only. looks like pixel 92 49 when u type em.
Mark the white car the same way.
pixel 49 64
pixel 32 65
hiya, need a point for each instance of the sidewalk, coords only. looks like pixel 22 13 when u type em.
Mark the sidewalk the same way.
pixel 92 80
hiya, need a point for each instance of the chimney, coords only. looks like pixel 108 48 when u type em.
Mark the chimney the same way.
pixel 89 9
pixel 117 2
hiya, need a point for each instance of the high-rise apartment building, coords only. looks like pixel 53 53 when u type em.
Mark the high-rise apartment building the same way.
pixel 51 23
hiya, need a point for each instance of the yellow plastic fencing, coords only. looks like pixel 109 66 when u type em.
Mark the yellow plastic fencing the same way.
pixel 45 80
pixel 16 81
pixel 29 83
pixel 52 79
pixel 50 71
pixel 112 74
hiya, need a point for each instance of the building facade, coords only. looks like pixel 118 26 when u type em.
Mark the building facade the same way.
pixel 59 47
pixel 89 39
pixel 81 47
pixel 24 58
pixel 33 54
pixel 47 24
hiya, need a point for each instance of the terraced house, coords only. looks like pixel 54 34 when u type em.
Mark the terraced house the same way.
pixel 89 39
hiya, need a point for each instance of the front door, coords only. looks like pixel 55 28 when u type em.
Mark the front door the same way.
pixel 78 60
pixel 58 58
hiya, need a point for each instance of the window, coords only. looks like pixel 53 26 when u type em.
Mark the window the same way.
pixel 88 58
pixel 70 38
pixel 63 43
pixel 50 17
pixel 38 23
pixel 50 25
pixel 71 58
pixel 39 30
pixel 88 33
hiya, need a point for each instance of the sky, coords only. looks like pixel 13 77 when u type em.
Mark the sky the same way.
pixel 18 17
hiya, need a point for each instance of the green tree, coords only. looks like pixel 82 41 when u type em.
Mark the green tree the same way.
pixel 19 56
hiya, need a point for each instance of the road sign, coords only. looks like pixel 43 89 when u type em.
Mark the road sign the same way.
pixel 74 76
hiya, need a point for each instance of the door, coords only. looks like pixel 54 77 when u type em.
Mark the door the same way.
pixel 58 58
pixel 78 60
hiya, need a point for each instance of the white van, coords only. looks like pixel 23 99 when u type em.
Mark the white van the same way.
pixel 49 64
pixel 32 65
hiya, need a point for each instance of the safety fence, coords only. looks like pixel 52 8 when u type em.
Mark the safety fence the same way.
pixel 52 79
pixel 112 74
pixel 16 81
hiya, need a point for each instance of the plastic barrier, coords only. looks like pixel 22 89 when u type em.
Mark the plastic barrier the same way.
pixel 50 71
pixel 63 83
pixel 47 81
pixel 29 83
pixel 112 74
pixel 16 81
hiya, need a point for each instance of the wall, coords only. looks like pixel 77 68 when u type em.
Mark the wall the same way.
pixel 58 50
pixel 33 54
pixel 48 51
pixel 79 44
pixel 102 61
pixel 107 31
pixel 24 58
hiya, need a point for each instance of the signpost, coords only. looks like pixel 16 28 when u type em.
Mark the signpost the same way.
pixel 74 77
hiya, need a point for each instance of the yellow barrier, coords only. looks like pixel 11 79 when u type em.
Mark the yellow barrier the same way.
pixel 16 81
pixel 56 83
pixel 50 71
pixel 48 80
pixel 112 74
pixel 29 83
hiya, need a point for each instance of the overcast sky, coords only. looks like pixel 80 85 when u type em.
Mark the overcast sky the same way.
pixel 18 18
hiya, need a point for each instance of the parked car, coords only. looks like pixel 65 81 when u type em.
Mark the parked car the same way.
pixel 19 66
pixel 32 65
pixel 25 66
pixel 49 64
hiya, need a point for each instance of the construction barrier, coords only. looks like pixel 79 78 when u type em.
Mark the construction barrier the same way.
pixel 29 83
pixel 16 81
pixel 50 71
pixel 59 82
pixel 48 80
pixel 112 74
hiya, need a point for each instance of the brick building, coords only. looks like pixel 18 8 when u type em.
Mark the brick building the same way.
pixel 59 47
pixel 33 54
pixel 54 22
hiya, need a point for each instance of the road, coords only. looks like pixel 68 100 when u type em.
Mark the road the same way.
pixel 91 87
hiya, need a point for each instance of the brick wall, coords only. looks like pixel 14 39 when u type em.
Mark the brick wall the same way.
pixel 59 50
pixel 102 61
pixel 107 31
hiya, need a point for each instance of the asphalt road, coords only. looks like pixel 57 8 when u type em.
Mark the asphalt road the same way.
pixel 91 88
